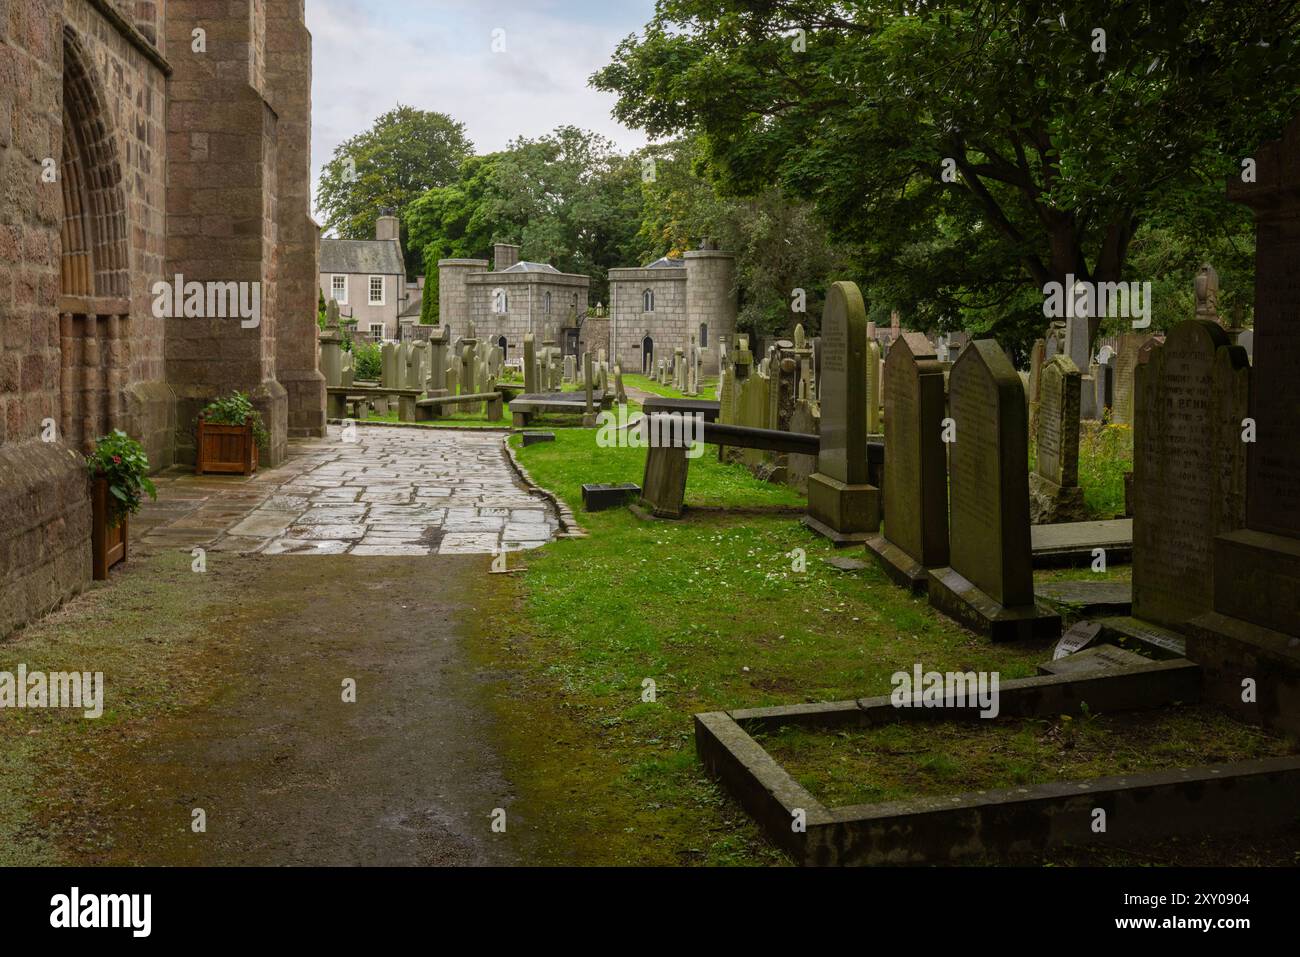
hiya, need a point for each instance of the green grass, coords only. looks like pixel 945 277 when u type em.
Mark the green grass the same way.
pixel 715 611
pixel 914 759
pixel 574 457
pixel 1105 454
pixel 708 387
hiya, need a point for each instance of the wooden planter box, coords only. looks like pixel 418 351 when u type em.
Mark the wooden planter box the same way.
pixel 107 545
pixel 227 449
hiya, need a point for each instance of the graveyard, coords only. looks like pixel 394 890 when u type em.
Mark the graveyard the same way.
pixel 847 464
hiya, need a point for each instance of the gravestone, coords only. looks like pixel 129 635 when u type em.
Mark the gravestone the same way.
pixel 620 394
pixel 438 362
pixel 570 368
pixel 1126 363
pixel 842 505
pixel 915 537
pixel 388 366
pixel 873 388
pixel 1253 629
pixel 1207 294
pixel 1246 339
pixel 1189 468
pixel 468 367
pixel 530 364
pixel 1054 492
pixel 989 584
pixel 589 409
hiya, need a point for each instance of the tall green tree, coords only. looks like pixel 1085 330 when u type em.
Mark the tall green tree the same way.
pixel 568 198
pixel 971 150
pixel 405 153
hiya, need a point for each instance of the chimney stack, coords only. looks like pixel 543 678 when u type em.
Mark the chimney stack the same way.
pixel 387 225
pixel 504 256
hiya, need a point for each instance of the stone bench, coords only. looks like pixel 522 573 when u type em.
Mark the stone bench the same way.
pixel 524 408
pixel 337 398
pixel 664 482
pixel 431 408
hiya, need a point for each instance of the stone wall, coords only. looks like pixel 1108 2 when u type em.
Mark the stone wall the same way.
pixel 453 298
pixel 711 298
pixel 288 76
pixel 526 306
pixel 630 323
pixel 152 167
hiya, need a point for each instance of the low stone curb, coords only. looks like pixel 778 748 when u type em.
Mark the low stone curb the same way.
pixel 569 527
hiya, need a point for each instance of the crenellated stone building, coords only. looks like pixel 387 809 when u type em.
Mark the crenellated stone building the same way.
pixel 141 142
pixel 509 300
pixel 656 309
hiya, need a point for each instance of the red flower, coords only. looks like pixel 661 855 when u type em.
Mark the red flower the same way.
pixel 117 460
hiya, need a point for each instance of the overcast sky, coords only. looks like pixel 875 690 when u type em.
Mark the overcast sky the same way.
pixel 369 55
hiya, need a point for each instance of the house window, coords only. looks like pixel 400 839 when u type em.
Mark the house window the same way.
pixel 376 290
pixel 546 304
pixel 500 302
pixel 376 330
pixel 704 335
pixel 339 289
pixel 648 301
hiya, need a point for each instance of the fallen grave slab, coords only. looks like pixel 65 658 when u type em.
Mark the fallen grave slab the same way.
pixel 1075 543
pixel 1088 598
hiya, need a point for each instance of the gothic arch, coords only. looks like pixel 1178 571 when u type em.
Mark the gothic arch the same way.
pixel 94 234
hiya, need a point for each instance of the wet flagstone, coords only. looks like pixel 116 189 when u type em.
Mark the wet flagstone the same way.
pixel 402 492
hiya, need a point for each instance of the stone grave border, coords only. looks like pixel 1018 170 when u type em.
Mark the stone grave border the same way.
pixel 1248 796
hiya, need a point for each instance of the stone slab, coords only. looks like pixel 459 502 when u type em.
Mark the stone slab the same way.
pixel 1100 658
pixel 901 568
pixel 1073 543
pixel 1087 598
pixel 962 601
pixel 1158 641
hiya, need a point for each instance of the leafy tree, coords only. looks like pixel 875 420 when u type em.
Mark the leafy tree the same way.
pixel 780 245
pixel 568 199
pixel 1062 127
pixel 405 153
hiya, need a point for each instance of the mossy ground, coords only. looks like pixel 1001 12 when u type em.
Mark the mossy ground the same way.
pixel 712 610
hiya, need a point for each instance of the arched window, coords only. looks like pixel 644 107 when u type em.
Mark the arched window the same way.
pixel 500 302
pixel 648 301
pixel 546 304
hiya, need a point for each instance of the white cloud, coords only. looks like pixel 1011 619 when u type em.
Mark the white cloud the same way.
pixel 437 55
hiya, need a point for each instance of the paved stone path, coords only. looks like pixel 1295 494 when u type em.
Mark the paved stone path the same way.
pixel 389 491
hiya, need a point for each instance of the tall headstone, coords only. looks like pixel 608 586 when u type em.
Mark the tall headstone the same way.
pixel 620 394
pixel 989 584
pixel 915 537
pixel 1054 492
pixel 589 409
pixel 1189 468
pixel 1126 363
pixel 873 387
pixel 842 505
pixel 468 368
pixel 1207 294
pixel 530 365
pixel 1253 630
pixel 438 361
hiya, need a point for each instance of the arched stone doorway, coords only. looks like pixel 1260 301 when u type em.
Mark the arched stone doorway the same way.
pixel 648 356
pixel 94 274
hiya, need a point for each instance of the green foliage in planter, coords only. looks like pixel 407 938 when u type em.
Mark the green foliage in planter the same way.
pixel 236 409
pixel 121 461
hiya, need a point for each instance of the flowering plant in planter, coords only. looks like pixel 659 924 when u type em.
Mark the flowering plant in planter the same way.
pixel 236 409
pixel 122 463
